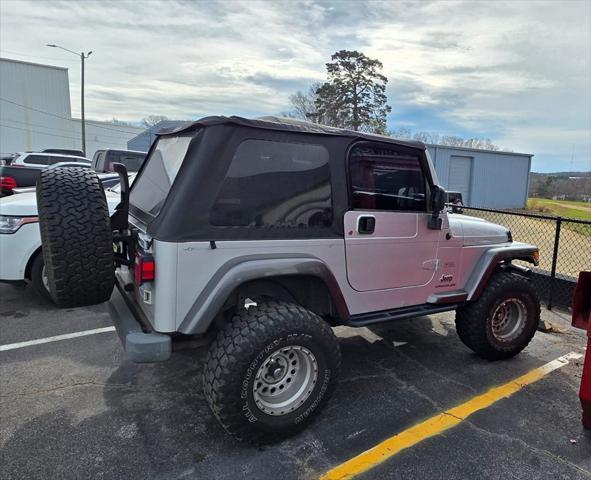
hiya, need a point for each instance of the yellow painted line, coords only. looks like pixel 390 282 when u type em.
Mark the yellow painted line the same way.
pixel 440 423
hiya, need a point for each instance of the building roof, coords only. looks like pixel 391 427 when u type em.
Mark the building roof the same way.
pixel 4 59
pixel 289 125
pixel 480 150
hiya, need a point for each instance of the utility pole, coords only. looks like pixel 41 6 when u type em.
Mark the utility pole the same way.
pixel 83 56
pixel 83 119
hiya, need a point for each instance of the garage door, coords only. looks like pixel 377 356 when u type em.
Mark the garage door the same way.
pixel 460 173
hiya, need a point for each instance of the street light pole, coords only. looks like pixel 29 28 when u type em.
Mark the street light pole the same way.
pixel 83 56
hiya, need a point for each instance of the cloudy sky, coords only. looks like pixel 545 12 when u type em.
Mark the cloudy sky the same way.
pixel 518 72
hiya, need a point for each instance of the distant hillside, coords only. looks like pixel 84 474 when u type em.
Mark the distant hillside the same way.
pixel 564 185
pixel 565 174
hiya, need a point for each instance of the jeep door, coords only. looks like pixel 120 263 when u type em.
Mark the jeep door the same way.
pixel 387 242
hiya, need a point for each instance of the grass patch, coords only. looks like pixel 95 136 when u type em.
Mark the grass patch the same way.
pixel 565 209
pixel 561 208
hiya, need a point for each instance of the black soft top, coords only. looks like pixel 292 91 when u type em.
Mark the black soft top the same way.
pixel 205 164
pixel 287 125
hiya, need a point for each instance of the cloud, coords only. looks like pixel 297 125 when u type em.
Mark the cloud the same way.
pixel 505 70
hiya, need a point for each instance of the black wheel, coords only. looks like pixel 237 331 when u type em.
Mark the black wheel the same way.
pixel 270 371
pixel 76 236
pixel 502 322
pixel 39 277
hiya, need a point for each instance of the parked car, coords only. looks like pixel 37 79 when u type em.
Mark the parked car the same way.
pixel 65 151
pixel 23 173
pixel 40 160
pixel 103 159
pixel 108 180
pixel 265 233
pixel 21 258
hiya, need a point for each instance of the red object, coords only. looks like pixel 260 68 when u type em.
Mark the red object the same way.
pixel 145 269
pixel 7 183
pixel 582 319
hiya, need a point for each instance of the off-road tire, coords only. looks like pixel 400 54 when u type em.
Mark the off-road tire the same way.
pixel 239 350
pixel 474 320
pixel 37 277
pixel 76 236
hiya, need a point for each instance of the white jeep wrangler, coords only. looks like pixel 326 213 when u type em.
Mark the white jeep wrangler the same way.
pixel 265 233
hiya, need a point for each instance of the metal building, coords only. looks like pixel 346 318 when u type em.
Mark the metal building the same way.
pixel 143 141
pixel 100 135
pixel 34 107
pixel 489 179
pixel 35 112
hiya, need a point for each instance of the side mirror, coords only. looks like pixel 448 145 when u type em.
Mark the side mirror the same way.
pixel 437 205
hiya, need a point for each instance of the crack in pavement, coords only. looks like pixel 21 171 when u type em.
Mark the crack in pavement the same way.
pixel 387 373
pixel 32 393
pixel 434 372
pixel 532 448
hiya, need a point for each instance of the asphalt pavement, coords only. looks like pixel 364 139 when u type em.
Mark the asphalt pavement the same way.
pixel 77 408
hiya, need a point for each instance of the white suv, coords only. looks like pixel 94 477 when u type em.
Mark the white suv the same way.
pixel 42 160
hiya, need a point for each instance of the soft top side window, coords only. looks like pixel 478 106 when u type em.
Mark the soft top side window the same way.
pixel 272 184
pixel 385 177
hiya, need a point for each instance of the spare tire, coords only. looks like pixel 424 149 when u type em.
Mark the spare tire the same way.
pixel 76 236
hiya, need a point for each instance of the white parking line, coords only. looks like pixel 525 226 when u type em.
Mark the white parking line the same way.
pixel 57 338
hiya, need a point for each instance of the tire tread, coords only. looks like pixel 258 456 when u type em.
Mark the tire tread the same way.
pixel 471 319
pixel 76 236
pixel 233 348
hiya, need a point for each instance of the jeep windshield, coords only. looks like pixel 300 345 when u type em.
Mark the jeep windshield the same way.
pixel 153 183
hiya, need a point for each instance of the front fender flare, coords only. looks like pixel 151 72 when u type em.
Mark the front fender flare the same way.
pixel 491 259
pixel 239 271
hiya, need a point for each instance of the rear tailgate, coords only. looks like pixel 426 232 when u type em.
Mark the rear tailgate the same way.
pixel 23 176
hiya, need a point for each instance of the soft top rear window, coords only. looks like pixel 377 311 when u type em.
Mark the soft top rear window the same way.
pixel 153 183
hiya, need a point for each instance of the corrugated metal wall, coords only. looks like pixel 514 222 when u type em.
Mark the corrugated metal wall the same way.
pixel 35 112
pixel 34 107
pixel 100 135
pixel 496 179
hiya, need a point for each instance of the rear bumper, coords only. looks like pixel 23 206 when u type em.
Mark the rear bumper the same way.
pixel 140 345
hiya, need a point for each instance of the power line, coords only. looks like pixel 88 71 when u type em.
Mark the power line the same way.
pixel 54 128
pixel 41 133
pixel 35 109
pixel 66 118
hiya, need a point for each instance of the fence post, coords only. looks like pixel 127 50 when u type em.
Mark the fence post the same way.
pixel 554 259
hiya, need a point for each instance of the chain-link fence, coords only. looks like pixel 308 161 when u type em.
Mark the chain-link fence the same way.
pixel 565 249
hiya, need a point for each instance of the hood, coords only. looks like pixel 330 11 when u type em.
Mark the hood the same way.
pixel 25 204
pixel 476 231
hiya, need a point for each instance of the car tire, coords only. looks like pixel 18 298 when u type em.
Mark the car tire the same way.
pixel 40 285
pixel 76 236
pixel 270 371
pixel 503 320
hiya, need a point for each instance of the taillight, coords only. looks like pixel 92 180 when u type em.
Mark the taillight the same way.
pixel 144 270
pixel 7 183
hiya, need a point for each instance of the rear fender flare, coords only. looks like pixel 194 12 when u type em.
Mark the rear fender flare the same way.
pixel 240 271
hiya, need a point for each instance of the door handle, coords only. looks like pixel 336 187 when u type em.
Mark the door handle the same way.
pixel 366 224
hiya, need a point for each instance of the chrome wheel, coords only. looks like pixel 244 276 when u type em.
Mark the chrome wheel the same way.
pixel 509 319
pixel 285 380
